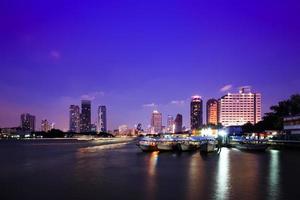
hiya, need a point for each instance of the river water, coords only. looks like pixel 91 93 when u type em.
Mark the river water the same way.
pixel 67 170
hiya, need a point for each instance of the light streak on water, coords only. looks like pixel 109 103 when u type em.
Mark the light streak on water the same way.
pixel 274 177
pixel 223 176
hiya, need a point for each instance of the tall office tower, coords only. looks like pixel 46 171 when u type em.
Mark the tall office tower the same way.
pixel 212 112
pixel 178 123
pixel 240 108
pixel 156 122
pixel 28 122
pixel 170 124
pixel 74 119
pixel 85 116
pixel 101 120
pixel 45 126
pixel 196 112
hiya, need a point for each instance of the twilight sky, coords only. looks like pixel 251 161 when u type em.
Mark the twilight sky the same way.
pixel 135 56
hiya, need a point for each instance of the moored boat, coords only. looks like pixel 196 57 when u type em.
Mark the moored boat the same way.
pixel 208 146
pixel 251 146
pixel 165 146
pixel 189 145
pixel 147 145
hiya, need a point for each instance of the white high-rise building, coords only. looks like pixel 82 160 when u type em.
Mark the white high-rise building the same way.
pixel 240 108
pixel 156 122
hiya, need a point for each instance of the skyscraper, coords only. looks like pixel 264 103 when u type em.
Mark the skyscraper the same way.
pixel 240 108
pixel 196 112
pixel 28 122
pixel 45 126
pixel 178 123
pixel 212 112
pixel 101 120
pixel 74 119
pixel 85 116
pixel 156 121
pixel 170 124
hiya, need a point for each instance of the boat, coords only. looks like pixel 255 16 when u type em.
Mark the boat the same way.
pixel 148 145
pixel 166 145
pixel 208 146
pixel 189 145
pixel 252 145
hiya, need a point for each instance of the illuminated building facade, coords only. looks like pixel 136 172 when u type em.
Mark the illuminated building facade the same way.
pixel 292 125
pixel 212 112
pixel 240 108
pixel 74 119
pixel 170 124
pixel 28 122
pixel 156 122
pixel 85 116
pixel 101 121
pixel 196 112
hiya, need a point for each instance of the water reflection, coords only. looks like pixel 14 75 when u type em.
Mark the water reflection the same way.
pixel 274 171
pixel 151 174
pixel 196 178
pixel 223 176
pixel 94 149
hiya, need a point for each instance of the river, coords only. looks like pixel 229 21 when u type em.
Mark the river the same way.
pixel 68 170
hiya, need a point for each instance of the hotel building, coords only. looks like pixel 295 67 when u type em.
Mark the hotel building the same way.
pixel 212 112
pixel 240 108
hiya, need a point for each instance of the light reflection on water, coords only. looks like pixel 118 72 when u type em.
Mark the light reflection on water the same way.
pixel 94 149
pixel 195 178
pixel 274 171
pixel 151 171
pixel 223 176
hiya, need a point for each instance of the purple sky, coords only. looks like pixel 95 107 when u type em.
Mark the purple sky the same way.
pixel 129 55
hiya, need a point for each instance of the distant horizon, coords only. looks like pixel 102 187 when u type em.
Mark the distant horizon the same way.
pixel 134 56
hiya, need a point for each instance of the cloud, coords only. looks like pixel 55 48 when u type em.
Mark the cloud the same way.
pixel 92 95
pixel 55 55
pixel 149 105
pixel 178 102
pixel 226 88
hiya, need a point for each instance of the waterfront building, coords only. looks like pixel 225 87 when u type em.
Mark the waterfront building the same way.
pixel 101 119
pixel 156 122
pixel 291 125
pixel 170 124
pixel 46 126
pixel 28 122
pixel 196 112
pixel 212 112
pixel 74 119
pixel 239 108
pixel 178 123
pixel 85 116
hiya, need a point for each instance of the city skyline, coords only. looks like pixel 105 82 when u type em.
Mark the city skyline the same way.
pixel 137 57
pixel 153 108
